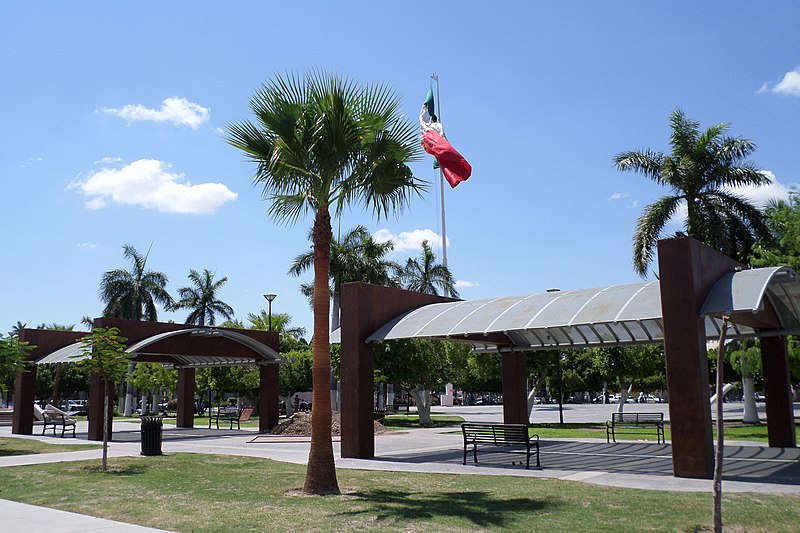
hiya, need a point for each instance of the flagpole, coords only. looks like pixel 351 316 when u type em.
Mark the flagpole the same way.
pixel 446 291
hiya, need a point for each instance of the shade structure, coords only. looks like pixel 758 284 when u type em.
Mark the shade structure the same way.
pixel 760 302
pixel 263 354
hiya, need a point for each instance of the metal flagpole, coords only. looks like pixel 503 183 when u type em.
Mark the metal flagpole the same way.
pixel 435 78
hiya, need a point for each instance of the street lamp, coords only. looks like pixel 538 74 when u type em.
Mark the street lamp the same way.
pixel 270 296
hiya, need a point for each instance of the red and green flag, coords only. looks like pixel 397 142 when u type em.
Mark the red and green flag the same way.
pixel 454 167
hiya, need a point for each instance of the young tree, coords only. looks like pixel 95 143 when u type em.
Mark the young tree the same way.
pixel 322 143
pixel 104 352
pixel 700 170
pixel 202 299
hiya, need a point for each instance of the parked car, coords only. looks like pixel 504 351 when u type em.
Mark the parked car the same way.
pixel 75 407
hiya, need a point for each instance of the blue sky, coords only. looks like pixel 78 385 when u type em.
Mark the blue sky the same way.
pixel 114 115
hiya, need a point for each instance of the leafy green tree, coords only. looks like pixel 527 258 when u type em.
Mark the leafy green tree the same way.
pixel 134 294
pixel 295 375
pixel 626 366
pixel 426 275
pixel 322 143
pixel 154 377
pixel 419 366
pixel 354 257
pixel 12 354
pixel 783 221
pixel 701 170
pixel 202 299
pixel 106 357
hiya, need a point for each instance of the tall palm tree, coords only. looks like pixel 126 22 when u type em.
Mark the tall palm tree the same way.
pixel 280 323
pixel 354 257
pixel 322 142
pixel 428 276
pixel 134 294
pixel 702 170
pixel 202 299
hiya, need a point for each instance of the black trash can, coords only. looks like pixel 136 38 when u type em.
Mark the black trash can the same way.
pixel 151 435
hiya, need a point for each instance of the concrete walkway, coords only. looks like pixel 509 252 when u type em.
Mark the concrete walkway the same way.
pixel 748 467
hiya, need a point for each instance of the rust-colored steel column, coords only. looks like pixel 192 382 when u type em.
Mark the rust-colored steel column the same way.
pixel 364 309
pixel 97 387
pixel 268 397
pixel 515 398
pixel 777 389
pixel 186 389
pixel 688 270
pixel 24 396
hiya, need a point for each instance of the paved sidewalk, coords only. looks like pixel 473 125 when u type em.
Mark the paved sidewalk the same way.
pixel 24 518
pixel 749 467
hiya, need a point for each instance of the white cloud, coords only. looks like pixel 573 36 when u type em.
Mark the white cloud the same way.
pixel 760 196
pixel 148 183
pixel 108 161
pixel 789 85
pixel 178 111
pixel 618 196
pixel 410 240
pixel 87 245
pixel 462 284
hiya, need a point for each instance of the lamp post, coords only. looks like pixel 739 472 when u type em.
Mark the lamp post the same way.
pixel 270 296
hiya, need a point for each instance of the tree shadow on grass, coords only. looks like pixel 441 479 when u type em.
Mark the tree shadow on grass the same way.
pixel 480 508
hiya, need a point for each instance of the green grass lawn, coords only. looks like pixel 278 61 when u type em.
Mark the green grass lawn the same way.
pixel 733 431
pixel 204 493
pixel 17 446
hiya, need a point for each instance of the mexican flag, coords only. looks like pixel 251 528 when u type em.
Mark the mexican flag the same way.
pixel 454 167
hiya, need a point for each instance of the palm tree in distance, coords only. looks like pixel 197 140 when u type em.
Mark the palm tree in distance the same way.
pixel 201 298
pixel 428 276
pixel 322 142
pixel 354 257
pixel 702 170
pixel 134 294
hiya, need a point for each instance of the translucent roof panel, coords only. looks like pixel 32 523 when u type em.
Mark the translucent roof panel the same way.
pixel 607 316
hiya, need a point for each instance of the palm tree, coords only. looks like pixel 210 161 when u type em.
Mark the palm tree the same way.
pixel 355 257
pixel 702 170
pixel 322 143
pixel 428 276
pixel 202 299
pixel 133 294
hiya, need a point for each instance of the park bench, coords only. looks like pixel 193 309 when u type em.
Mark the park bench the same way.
pixel 231 414
pixel 55 417
pixel 635 422
pixel 500 435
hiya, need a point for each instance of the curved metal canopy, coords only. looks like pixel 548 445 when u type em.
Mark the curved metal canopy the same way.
pixel 608 316
pixel 73 352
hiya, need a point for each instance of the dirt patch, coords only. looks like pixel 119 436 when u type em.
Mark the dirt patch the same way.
pixel 299 425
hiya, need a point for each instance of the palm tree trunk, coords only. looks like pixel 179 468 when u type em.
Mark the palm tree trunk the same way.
pixel 321 471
